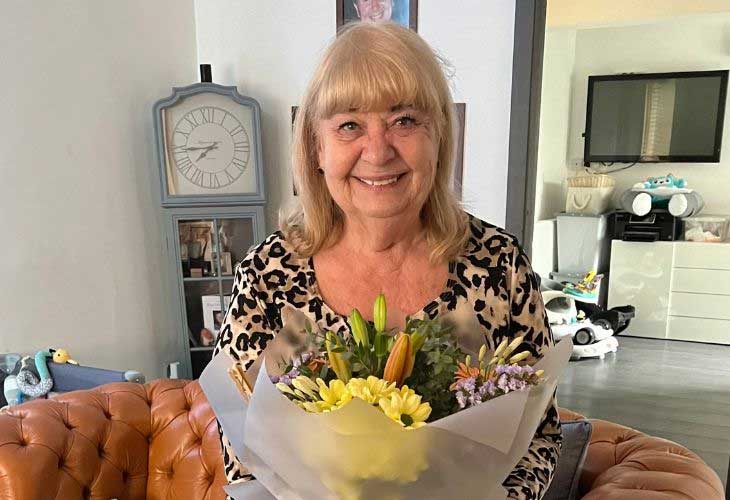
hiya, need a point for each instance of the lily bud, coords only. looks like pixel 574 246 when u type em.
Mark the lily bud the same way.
pixel 359 328
pixel 380 314
pixel 512 346
pixel 339 365
pixel 501 347
pixel 417 341
pixel 482 352
pixel 519 357
pixel 400 361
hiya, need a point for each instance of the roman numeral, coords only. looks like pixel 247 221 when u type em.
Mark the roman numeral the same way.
pixel 178 149
pixel 238 163
pixel 215 183
pixel 197 175
pixel 230 177
pixel 184 166
pixel 236 130
pixel 206 114
pixel 190 118
pixel 184 134
pixel 241 146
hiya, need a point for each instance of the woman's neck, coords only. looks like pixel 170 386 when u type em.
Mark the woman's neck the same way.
pixel 388 240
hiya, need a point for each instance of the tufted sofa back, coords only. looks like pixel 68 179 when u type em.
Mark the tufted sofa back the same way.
pixel 123 440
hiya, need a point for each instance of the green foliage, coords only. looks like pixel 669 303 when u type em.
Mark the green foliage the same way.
pixel 434 367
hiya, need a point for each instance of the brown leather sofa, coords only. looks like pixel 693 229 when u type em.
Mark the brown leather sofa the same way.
pixel 160 441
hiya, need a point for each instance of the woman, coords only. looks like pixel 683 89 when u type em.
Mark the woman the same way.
pixel 372 158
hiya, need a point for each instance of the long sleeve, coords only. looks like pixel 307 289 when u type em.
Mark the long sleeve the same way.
pixel 243 336
pixel 533 473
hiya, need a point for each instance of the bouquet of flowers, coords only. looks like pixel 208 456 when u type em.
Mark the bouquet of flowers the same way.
pixel 383 414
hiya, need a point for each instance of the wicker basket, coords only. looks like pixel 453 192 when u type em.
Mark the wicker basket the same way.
pixel 589 194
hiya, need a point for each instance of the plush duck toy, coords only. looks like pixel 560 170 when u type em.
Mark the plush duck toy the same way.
pixel 61 356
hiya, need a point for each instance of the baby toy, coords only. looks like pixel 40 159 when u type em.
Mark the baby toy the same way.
pixel 61 356
pixel 22 383
pixel 587 288
pixel 593 330
pixel 668 192
pixel 28 383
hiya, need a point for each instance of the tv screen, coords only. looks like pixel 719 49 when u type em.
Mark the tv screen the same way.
pixel 656 117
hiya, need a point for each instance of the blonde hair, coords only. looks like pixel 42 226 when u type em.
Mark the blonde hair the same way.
pixel 373 66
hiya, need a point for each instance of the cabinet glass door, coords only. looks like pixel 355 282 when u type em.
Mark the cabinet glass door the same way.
pixel 209 250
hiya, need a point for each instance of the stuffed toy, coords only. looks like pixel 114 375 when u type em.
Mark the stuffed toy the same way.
pixel 31 378
pixel 668 192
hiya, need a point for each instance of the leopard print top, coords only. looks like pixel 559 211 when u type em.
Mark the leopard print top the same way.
pixel 493 275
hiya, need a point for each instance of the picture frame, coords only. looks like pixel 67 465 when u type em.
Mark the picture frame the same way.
pixel 213 313
pixel 226 267
pixel 403 12
pixel 458 174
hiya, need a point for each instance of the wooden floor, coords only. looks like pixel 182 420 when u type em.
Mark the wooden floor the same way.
pixel 672 389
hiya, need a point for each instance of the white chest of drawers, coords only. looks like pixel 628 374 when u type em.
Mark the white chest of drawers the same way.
pixel 681 290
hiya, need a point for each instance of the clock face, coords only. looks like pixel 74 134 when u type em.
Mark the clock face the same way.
pixel 210 147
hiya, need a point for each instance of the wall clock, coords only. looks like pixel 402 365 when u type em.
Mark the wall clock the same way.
pixel 209 147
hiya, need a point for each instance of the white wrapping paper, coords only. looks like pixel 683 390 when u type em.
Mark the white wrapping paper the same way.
pixel 358 453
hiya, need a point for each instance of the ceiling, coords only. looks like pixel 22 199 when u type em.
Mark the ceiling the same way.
pixel 564 13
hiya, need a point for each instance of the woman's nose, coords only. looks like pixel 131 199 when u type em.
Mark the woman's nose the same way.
pixel 378 150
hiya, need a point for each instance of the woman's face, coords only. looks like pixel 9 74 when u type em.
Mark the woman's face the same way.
pixel 378 164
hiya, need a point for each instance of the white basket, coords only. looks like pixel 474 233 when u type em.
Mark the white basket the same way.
pixel 588 200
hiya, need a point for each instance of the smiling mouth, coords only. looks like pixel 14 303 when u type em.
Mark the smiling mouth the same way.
pixel 383 181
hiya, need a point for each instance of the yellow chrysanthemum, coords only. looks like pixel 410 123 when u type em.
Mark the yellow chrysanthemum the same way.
pixel 405 407
pixel 334 396
pixel 371 390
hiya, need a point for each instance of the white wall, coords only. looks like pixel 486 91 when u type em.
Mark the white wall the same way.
pixel 555 103
pixel 269 52
pixel 82 263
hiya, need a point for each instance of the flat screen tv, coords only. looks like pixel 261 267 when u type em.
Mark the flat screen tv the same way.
pixel 655 117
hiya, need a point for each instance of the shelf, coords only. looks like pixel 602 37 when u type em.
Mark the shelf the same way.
pixel 205 278
pixel 209 348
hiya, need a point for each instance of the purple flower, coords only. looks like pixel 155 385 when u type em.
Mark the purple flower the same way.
pixel 285 378
pixel 461 399
pixel 302 360
pixel 490 388
pixel 516 384
pixel 502 382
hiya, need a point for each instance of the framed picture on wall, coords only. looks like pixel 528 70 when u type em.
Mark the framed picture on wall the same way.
pixel 460 118
pixel 403 12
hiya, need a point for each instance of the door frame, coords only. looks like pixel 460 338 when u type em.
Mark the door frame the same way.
pixel 527 59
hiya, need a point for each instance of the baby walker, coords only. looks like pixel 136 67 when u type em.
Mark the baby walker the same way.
pixel 572 311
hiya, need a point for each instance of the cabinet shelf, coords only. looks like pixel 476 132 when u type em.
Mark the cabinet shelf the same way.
pixel 216 239
pixel 206 278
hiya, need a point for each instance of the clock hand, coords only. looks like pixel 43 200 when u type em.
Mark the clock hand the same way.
pixel 213 145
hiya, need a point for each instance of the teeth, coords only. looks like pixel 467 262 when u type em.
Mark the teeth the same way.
pixel 380 183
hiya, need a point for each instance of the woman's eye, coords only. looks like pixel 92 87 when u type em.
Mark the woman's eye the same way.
pixel 348 126
pixel 405 121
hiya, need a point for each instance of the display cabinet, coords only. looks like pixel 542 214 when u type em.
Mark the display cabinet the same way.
pixel 205 245
pixel 211 172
